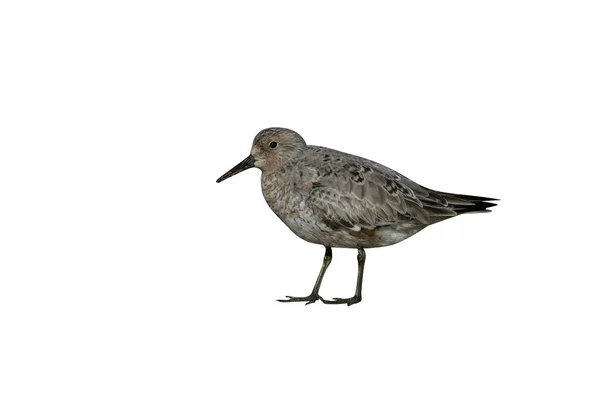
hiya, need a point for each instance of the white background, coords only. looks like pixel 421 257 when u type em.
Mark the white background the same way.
pixel 126 272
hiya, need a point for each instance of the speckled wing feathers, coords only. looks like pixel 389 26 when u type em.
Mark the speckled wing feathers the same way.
pixel 356 193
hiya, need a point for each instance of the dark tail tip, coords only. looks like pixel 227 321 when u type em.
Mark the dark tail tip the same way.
pixel 463 204
pixel 481 206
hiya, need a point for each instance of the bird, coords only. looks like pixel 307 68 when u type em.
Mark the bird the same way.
pixel 339 200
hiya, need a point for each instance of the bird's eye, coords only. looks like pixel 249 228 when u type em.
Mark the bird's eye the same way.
pixel 273 145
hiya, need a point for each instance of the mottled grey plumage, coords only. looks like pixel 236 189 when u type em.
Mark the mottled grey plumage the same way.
pixel 340 200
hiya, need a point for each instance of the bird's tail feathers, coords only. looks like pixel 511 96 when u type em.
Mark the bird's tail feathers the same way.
pixel 463 204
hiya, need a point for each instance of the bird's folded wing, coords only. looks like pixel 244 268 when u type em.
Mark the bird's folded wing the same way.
pixel 359 193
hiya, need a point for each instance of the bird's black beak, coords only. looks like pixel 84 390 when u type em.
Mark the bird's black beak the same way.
pixel 244 165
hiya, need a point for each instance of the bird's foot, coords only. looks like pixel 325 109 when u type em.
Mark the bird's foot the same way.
pixel 311 298
pixel 349 301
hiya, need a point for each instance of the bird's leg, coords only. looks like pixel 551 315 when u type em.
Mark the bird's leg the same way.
pixel 314 295
pixel 362 256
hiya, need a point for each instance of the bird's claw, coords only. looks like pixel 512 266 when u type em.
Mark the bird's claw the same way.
pixel 337 300
pixel 311 298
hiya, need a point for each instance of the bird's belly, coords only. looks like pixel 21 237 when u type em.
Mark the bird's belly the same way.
pixel 319 233
pixel 369 238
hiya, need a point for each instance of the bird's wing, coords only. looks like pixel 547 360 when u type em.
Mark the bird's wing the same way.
pixel 354 192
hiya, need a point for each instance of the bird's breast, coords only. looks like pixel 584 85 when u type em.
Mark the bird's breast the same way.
pixel 282 196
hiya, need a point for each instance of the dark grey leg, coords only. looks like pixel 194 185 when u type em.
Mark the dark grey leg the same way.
pixel 314 295
pixel 362 256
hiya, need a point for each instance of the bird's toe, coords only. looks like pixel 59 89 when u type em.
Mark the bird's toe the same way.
pixel 338 300
pixel 313 297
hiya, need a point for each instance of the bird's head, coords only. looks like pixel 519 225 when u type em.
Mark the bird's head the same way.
pixel 271 148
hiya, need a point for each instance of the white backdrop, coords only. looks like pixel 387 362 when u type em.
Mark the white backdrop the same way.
pixel 126 272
